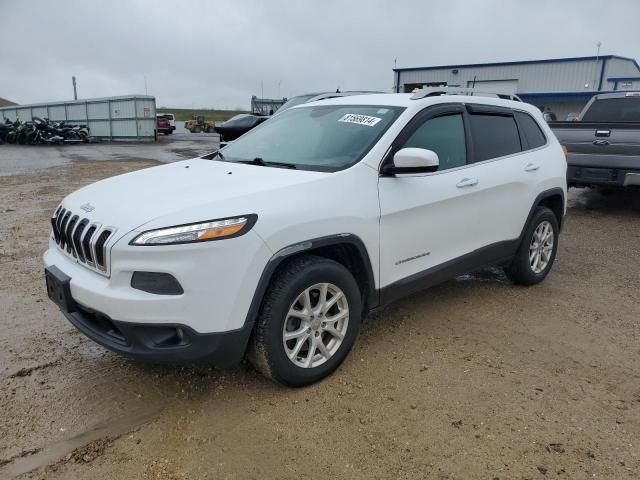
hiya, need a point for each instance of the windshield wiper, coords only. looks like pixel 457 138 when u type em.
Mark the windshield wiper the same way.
pixel 211 156
pixel 263 163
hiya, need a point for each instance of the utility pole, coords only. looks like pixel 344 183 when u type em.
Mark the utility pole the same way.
pixel 145 84
pixel 75 91
pixel 279 82
pixel 262 89
pixel 595 84
pixel 396 76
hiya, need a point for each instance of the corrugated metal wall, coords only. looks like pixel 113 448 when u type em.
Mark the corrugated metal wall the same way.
pixel 620 68
pixel 561 76
pixel 129 117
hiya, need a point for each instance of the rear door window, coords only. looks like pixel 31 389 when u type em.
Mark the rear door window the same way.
pixel 494 136
pixel 530 130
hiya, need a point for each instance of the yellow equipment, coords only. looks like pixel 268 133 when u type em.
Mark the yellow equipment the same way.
pixel 199 124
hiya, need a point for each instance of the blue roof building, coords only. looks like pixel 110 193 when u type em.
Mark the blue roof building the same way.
pixel 560 85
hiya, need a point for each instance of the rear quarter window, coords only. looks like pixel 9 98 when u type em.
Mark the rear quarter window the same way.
pixel 530 130
pixel 494 136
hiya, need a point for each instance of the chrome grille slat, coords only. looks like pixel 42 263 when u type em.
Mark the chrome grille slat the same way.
pixel 59 219
pixel 63 230
pixel 77 235
pixel 69 234
pixel 87 245
pixel 85 241
pixel 56 235
pixel 100 248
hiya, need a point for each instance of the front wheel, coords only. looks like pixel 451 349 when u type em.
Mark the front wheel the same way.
pixel 537 252
pixel 308 322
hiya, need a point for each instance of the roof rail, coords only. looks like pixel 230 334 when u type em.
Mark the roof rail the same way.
pixel 438 91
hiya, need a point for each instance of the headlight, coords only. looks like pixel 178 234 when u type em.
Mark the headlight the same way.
pixel 197 232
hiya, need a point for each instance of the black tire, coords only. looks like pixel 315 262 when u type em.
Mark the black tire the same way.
pixel 520 270
pixel 267 352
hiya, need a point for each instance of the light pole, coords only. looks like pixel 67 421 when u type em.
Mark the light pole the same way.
pixel 279 82
pixel 598 45
pixel 396 76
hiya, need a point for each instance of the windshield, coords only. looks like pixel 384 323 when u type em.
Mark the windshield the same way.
pixel 322 138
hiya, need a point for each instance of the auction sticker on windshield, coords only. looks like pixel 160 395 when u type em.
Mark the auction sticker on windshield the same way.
pixel 360 119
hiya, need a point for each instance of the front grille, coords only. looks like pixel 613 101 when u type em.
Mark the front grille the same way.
pixel 77 235
pixel 86 244
pixel 102 239
pixel 82 239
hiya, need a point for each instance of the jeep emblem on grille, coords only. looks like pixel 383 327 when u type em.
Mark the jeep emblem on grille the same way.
pixel 87 207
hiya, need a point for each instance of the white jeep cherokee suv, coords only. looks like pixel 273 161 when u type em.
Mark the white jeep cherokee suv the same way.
pixel 278 245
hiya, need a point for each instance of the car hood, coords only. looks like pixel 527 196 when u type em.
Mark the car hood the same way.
pixel 182 192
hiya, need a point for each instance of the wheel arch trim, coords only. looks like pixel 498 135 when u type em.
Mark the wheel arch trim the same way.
pixel 287 252
pixel 557 191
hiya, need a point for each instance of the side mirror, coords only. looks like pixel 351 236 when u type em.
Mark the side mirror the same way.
pixel 413 160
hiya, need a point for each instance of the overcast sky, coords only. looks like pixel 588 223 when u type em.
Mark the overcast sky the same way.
pixel 216 54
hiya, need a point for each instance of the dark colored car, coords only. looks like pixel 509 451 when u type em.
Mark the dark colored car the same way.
pixel 603 144
pixel 241 124
pixel 163 125
pixel 238 125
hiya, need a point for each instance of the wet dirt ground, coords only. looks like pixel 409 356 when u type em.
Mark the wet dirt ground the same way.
pixel 476 378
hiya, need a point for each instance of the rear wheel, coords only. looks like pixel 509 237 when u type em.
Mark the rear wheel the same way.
pixel 537 252
pixel 308 322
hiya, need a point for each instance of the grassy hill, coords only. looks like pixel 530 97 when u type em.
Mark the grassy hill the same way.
pixel 183 114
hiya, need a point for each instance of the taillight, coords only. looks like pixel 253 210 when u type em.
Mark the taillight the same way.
pixel 565 151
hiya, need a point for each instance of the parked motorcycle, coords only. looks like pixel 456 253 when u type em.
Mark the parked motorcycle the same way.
pixel 42 131
pixel 16 134
pixel 5 128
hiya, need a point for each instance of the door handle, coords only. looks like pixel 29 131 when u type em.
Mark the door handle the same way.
pixel 467 182
pixel 531 167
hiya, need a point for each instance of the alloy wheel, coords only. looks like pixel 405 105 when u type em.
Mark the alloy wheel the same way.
pixel 541 247
pixel 316 325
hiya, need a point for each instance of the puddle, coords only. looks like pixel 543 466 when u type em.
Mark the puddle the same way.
pixel 52 453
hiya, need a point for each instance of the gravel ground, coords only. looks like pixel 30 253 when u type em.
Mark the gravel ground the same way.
pixel 476 378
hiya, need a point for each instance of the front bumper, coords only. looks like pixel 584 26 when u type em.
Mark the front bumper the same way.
pixel 218 280
pixel 161 342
